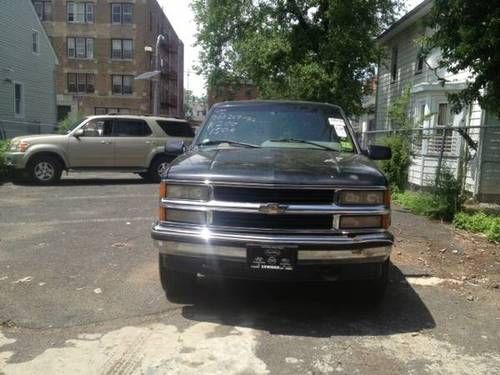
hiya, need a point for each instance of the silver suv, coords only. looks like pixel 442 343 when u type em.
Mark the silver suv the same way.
pixel 119 143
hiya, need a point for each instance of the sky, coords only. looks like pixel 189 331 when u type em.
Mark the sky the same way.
pixel 180 15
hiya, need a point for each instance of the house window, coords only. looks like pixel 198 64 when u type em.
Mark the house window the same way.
pixel 444 119
pixel 122 49
pixel 18 100
pixel 82 83
pixel 35 36
pixel 80 12
pixel 122 13
pixel 420 62
pixel 107 110
pixel 43 9
pixel 80 48
pixel 122 84
pixel 394 64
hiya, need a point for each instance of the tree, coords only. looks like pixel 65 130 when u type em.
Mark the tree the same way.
pixel 468 34
pixel 321 50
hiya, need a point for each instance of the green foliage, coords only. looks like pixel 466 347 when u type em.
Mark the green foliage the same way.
pixel 446 196
pixel 479 223
pixel 442 203
pixel 69 122
pixel 293 49
pixel 396 169
pixel 467 33
pixel 4 147
pixel 417 202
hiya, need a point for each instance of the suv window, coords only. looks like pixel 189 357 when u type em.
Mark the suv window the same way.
pixel 176 128
pixel 130 128
pixel 97 128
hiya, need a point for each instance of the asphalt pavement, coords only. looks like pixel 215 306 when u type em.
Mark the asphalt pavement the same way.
pixel 79 293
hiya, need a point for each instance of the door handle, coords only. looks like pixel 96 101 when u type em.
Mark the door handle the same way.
pixel 105 143
pixel 148 142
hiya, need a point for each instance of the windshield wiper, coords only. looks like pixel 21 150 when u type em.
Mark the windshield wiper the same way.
pixel 294 140
pixel 220 141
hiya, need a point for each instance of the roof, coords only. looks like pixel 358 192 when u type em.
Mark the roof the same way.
pixel 407 20
pixel 139 117
pixel 259 101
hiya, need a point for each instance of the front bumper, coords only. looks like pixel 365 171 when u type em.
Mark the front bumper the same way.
pixel 312 249
pixel 15 160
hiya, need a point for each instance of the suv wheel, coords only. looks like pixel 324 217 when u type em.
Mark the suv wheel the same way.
pixel 45 170
pixel 158 168
pixel 178 286
pixel 375 289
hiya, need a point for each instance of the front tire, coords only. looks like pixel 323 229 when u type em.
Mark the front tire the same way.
pixel 178 286
pixel 158 168
pixel 375 290
pixel 45 170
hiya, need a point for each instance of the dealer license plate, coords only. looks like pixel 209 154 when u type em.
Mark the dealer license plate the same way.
pixel 272 258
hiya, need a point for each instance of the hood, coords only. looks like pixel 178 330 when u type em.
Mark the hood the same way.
pixel 293 166
pixel 34 139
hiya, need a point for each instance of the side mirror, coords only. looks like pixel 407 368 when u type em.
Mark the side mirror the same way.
pixel 378 152
pixel 79 133
pixel 177 147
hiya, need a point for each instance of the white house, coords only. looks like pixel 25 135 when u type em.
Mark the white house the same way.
pixel 405 67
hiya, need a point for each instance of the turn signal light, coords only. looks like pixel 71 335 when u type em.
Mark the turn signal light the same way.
pixel 163 194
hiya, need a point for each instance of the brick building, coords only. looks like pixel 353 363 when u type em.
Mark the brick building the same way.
pixel 102 45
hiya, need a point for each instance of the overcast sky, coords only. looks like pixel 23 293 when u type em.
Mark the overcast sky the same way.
pixel 180 15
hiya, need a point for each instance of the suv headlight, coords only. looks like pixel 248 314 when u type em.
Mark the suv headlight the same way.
pixel 19 146
pixel 362 197
pixel 187 192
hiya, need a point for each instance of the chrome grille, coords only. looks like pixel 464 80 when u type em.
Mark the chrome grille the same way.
pixel 262 221
pixel 275 195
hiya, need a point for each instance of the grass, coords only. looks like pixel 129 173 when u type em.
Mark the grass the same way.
pixel 416 202
pixel 479 223
pixel 426 204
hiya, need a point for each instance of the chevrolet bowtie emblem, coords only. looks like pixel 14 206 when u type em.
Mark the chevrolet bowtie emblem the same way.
pixel 272 208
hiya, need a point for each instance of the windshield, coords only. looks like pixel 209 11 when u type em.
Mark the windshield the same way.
pixel 278 125
pixel 75 125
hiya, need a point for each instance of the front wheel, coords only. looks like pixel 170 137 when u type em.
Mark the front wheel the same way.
pixel 45 170
pixel 375 290
pixel 158 168
pixel 178 286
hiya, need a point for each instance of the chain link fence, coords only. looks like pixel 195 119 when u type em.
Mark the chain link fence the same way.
pixel 13 128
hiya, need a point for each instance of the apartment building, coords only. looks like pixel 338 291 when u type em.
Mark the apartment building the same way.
pixel 102 45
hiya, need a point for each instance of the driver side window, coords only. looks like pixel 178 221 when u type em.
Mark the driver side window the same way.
pixel 97 128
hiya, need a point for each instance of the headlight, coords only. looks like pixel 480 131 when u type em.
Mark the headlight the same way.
pixel 19 146
pixel 195 193
pixel 362 197
pixel 360 222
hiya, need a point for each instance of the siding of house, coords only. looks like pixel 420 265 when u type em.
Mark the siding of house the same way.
pixel 18 64
pixel 428 92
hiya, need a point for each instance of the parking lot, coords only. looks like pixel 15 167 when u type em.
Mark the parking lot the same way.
pixel 79 292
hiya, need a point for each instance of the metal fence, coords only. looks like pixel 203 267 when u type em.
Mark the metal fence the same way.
pixel 13 128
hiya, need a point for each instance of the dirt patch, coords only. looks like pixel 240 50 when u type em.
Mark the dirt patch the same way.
pixel 444 252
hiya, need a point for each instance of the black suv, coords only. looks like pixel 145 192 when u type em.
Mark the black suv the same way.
pixel 274 190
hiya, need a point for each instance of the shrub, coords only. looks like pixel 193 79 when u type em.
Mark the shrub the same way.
pixel 396 168
pixel 479 223
pixel 4 147
pixel 447 199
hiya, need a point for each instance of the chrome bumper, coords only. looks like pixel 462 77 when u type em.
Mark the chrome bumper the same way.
pixel 15 160
pixel 362 248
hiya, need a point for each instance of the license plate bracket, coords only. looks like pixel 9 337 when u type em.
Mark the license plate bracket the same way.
pixel 271 258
